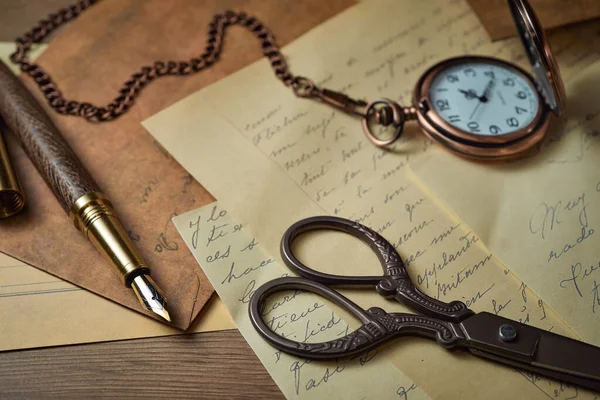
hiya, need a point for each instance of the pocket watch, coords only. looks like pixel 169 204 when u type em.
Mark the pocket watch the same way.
pixel 478 107
pixel 485 108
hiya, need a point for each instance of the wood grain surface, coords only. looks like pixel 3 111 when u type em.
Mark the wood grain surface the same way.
pixel 198 366
pixel 195 366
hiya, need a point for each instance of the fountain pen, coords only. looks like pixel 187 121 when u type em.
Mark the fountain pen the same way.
pixel 91 212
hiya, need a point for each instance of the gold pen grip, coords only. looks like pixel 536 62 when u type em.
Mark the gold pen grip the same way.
pixel 93 215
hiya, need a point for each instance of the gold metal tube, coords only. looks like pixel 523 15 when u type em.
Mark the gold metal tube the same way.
pixel 12 199
pixel 93 215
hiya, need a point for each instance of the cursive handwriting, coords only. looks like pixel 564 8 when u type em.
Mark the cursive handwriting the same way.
pixel 391 195
pixel 218 255
pixel 410 207
pixel 271 131
pixel 403 392
pixel 547 217
pixel 313 329
pixel 314 175
pixel 595 296
pixel 216 232
pixel 439 238
pixel 413 231
pixel 460 277
pixel 585 233
pixel 577 273
pixel 152 183
pixel 232 276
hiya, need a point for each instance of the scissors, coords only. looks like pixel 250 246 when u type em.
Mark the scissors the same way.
pixel 453 325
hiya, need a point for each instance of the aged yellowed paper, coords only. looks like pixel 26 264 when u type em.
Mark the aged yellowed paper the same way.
pixel 540 215
pixel 272 159
pixel 6 49
pixel 236 266
pixel 41 310
pixel 46 311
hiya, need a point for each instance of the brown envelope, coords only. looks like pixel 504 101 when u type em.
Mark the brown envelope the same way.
pixel 90 60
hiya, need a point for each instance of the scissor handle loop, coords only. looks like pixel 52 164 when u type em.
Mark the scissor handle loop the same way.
pixel 395 283
pixel 378 326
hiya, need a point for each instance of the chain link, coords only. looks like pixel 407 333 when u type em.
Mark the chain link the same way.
pixel 132 87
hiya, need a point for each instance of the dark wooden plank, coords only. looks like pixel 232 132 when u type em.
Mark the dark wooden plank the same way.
pixel 204 365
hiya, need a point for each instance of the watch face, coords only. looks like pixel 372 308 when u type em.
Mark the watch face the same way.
pixel 484 98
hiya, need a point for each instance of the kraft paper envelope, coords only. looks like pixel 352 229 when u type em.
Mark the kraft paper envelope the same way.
pixel 46 311
pixel 89 61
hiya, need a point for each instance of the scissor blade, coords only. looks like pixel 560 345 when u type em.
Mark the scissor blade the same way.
pixel 562 354
pixel 534 349
pixel 588 383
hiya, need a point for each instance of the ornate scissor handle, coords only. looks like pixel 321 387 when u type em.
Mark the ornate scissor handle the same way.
pixel 378 326
pixel 395 283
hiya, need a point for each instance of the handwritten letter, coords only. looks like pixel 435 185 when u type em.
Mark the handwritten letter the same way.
pixel 236 266
pixel 540 216
pixel 272 159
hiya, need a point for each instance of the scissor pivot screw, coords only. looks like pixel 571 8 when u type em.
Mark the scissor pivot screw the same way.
pixel 508 333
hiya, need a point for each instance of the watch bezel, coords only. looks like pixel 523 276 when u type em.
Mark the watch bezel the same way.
pixel 543 64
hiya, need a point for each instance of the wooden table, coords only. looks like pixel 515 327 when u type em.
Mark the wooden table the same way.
pixel 207 365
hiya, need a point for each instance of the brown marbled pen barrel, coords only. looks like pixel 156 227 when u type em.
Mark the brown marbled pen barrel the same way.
pixel 12 199
pixel 91 212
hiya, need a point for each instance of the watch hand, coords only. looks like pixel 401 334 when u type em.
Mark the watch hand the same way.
pixel 483 98
pixel 475 110
pixel 469 94
pixel 487 91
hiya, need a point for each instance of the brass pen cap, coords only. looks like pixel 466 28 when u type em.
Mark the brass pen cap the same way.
pixel 12 198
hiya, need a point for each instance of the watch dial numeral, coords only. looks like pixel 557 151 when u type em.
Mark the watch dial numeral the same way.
pixel 442 105
pixel 520 110
pixel 473 126
pixel 521 95
pixel 490 74
pixel 454 118
pixel 495 129
pixel 512 122
pixel 470 73
pixel 452 78
pixel 509 82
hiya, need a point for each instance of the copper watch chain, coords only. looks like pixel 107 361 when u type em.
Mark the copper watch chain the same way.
pixel 384 112
pixel 146 74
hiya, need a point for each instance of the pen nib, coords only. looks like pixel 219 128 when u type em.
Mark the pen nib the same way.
pixel 150 296
pixel 163 313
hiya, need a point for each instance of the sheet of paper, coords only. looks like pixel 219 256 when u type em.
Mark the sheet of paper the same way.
pixel 7 48
pixel 236 266
pixel 46 311
pixel 272 159
pixel 540 216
